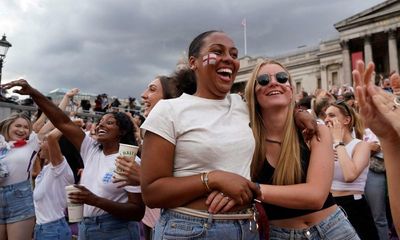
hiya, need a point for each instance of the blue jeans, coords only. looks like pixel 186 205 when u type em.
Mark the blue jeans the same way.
pixel 16 202
pixel 58 230
pixel 375 193
pixel 174 225
pixel 108 227
pixel 336 226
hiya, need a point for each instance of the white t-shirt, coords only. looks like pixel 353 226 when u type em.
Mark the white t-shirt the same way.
pixel 97 176
pixel 49 194
pixel 19 160
pixel 208 134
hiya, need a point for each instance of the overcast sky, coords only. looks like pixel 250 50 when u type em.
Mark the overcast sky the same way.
pixel 118 46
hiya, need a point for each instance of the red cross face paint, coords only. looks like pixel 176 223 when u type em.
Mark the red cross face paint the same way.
pixel 210 58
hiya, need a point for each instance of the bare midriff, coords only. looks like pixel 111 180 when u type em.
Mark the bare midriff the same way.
pixel 304 221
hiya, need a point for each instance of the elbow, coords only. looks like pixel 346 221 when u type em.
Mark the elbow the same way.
pixel 350 178
pixel 317 201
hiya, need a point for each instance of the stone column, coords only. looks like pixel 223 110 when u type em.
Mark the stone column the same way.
pixel 346 73
pixel 367 49
pixel 393 57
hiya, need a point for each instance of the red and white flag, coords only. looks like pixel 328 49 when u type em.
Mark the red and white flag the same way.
pixel 210 58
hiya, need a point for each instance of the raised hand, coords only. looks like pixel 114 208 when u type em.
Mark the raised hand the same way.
pixel 25 89
pixel 72 92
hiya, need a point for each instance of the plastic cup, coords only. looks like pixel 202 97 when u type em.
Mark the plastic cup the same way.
pixel 125 150
pixel 75 210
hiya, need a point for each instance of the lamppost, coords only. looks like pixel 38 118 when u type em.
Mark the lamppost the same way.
pixel 4 45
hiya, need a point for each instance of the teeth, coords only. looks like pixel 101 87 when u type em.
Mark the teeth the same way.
pixel 273 93
pixel 224 70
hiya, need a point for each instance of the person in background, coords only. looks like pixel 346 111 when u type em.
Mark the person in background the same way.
pixel 295 175
pixel 375 187
pixel 19 145
pixel 380 110
pixel 109 212
pixel 49 193
pixel 351 167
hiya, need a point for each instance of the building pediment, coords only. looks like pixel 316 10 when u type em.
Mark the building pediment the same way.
pixel 386 10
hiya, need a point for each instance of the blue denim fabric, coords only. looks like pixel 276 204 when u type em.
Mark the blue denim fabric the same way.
pixel 336 226
pixel 375 193
pixel 16 202
pixel 108 227
pixel 174 225
pixel 56 230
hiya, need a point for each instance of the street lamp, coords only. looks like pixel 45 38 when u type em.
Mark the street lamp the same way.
pixel 4 45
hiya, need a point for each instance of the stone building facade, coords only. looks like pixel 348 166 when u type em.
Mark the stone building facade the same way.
pixel 373 34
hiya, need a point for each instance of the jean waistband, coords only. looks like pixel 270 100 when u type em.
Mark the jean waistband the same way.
pixel 49 224
pixel 245 214
pixel 98 219
pixel 320 227
pixel 15 185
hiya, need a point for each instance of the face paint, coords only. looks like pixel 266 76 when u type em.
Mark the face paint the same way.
pixel 210 58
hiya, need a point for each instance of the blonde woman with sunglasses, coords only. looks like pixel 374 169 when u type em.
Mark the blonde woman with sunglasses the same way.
pixel 294 175
pixel 351 167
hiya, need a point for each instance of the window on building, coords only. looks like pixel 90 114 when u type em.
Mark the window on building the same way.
pixel 298 86
pixel 335 79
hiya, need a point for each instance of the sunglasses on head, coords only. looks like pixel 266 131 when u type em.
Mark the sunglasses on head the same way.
pixel 265 79
pixel 343 103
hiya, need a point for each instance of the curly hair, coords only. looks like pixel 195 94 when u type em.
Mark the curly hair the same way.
pixel 126 128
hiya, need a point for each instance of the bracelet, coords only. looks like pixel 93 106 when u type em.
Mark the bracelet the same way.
pixel 204 180
pixel 336 145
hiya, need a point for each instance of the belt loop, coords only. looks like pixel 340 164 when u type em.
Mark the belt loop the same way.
pixel 291 237
pixel 209 220
pixel 320 232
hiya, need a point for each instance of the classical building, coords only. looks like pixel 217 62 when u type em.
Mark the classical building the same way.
pixel 372 34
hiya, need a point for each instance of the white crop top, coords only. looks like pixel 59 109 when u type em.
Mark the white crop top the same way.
pixel 208 134
pixel 338 183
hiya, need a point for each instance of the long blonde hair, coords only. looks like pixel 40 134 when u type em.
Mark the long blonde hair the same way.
pixel 288 170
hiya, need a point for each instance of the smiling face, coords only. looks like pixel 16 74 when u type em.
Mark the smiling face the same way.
pixel 18 130
pixel 107 129
pixel 152 95
pixel 332 113
pixel 273 94
pixel 215 76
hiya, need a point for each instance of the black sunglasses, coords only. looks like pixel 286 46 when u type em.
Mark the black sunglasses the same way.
pixel 265 79
pixel 343 103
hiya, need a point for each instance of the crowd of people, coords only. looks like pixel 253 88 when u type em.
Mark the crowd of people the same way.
pixel 211 164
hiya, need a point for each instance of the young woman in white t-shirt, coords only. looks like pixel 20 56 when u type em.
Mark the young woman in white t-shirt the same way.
pixel 109 211
pixel 49 193
pixel 197 143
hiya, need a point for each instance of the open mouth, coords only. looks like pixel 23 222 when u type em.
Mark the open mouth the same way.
pixel 274 93
pixel 225 73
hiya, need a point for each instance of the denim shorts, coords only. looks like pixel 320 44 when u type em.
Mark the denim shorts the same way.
pixel 57 230
pixel 108 227
pixel 335 226
pixel 174 225
pixel 16 202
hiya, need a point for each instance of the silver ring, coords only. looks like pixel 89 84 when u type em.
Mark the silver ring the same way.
pixel 222 194
pixel 396 100
pixel 228 198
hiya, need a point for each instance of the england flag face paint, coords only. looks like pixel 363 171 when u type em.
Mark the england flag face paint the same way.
pixel 210 58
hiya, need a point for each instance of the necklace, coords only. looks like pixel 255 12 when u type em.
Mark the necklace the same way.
pixel 273 141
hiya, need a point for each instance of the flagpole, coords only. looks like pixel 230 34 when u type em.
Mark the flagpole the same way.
pixel 245 36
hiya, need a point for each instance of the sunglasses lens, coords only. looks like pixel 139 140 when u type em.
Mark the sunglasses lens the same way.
pixel 282 77
pixel 263 80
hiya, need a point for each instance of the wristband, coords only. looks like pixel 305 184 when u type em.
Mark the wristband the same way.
pixel 204 180
pixel 336 145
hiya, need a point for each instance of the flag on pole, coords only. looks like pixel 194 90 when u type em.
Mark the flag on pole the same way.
pixel 244 23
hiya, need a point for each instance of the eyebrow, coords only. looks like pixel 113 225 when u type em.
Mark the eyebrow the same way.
pixel 223 46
